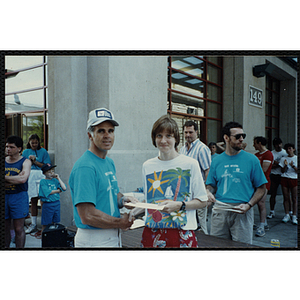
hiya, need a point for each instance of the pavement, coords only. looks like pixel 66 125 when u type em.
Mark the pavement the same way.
pixel 287 233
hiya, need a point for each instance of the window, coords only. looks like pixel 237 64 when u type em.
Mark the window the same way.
pixel 196 93
pixel 272 109
pixel 26 97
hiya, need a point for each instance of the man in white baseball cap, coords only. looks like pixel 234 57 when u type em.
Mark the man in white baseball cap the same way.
pixel 94 187
pixel 100 115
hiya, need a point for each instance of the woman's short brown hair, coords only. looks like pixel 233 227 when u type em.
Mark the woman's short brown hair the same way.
pixel 165 122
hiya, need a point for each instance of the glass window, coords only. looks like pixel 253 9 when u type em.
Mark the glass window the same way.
pixel 24 101
pixel 272 109
pixel 187 84
pixel 187 104
pixel 25 96
pixel 33 123
pixel 188 64
pixel 275 98
pixel 25 80
pixel 213 131
pixel 193 82
pixel 214 74
pixel 214 92
pixel 22 62
pixel 214 59
pixel 214 110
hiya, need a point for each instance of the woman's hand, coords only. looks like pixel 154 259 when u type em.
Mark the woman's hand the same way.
pixel 129 199
pixel 171 206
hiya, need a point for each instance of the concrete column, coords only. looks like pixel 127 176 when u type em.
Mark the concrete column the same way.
pixel 67 113
pixel 138 88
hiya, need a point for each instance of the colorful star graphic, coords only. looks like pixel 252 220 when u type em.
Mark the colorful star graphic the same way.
pixel 156 183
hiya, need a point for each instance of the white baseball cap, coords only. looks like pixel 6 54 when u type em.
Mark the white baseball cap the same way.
pixel 99 115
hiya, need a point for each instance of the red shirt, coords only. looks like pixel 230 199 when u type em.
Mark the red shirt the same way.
pixel 266 156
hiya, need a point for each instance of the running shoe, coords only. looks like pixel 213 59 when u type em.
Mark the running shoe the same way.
pixel 271 215
pixel 31 228
pixel 294 220
pixel 260 232
pixel 286 218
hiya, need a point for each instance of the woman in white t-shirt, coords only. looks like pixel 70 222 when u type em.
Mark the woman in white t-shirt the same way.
pixel 289 182
pixel 173 181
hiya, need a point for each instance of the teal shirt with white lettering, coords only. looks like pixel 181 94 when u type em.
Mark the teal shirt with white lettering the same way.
pixel 235 177
pixel 93 180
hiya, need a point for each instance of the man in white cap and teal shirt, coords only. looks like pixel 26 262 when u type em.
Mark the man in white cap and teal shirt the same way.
pixel 94 187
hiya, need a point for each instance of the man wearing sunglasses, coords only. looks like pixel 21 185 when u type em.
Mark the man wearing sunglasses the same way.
pixel 238 182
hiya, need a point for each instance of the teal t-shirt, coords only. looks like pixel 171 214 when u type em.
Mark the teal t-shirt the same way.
pixel 41 155
pixel 93 180
pixel 46 187
pixel 236 177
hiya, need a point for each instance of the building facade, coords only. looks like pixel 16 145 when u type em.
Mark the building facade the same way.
pixel 260 92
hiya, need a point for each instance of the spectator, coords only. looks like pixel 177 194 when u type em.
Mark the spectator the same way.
pixel 265 157
pixel 213 149
pixel 174 181
pixel 275 175
pixel 289 167
pixel 49 191
pixel 239 182
pixel 17 170
pixel 199 151
pixel 38 157
pixel 94 187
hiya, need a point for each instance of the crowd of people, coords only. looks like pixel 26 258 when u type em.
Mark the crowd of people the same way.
pixel 29 176
pixel 178 185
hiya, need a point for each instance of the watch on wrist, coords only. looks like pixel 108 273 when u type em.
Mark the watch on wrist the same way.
pixel 182 206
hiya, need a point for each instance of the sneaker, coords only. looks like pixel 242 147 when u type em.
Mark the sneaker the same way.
pixel 286 218
pixel 267 227
pixel 255 227
pixel 294 220
pixel 271 215
pixel 260 232
pixel 31 228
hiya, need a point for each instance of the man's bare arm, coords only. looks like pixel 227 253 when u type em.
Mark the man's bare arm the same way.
pixel 22 177
pixel 91 216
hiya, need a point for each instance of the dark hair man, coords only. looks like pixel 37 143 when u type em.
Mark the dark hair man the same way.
pixel 17 170
pixel 239 182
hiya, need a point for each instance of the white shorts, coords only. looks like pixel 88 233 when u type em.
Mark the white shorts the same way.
pixel 86 238
pixel 34 182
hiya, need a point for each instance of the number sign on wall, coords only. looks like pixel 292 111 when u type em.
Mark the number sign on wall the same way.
pixel 255 96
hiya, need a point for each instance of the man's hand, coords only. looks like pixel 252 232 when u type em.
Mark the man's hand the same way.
pixel 242 208
pixel 126 222
pixel 210 196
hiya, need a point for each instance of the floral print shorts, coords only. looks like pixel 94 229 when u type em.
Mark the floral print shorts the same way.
pixel 168 238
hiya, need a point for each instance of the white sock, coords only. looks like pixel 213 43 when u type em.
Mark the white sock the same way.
pixel 33 220
pixel 290 212
pixel 262 225
pixel 272 211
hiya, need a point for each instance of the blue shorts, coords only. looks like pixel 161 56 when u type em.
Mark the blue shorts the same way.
pixel 50 213
pixel 16 205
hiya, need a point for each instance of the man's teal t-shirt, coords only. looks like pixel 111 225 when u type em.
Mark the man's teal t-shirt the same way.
pixel 93 180
pixel 236 177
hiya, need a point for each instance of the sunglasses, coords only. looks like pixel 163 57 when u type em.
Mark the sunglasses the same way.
pixel 238 136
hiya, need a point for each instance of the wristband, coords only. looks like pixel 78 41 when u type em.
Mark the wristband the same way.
pixel 249 204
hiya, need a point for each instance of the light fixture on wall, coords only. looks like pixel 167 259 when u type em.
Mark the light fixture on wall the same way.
pixel 262 70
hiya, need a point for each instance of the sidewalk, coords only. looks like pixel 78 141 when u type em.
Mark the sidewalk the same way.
pixel 285 233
